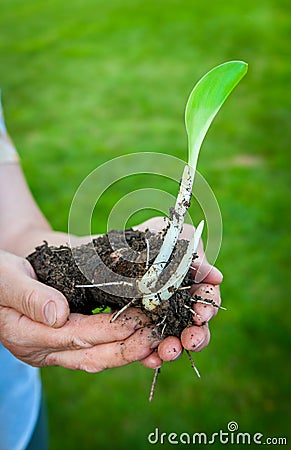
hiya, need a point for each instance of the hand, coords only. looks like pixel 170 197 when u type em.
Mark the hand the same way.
pixel 37 327
pixel 193 338
pixel 197 337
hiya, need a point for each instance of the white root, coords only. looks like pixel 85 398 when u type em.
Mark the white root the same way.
pixel 209 302
pixel 147 283
pixel 116 315
pixel 157 371
pixel 150 301
pixel 163 329
pixel 111 283
pixel 151 298
pixel 148 253
pixel 192 311
pixel 193 364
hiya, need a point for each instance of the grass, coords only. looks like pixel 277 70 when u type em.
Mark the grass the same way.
pixel 88 80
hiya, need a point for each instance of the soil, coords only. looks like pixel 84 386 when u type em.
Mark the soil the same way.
pixel 116 257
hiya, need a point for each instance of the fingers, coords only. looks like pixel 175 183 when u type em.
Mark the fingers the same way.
pixel 70 346
pixel 156 224
pixel 78 332
pixel 153 361
pixel 204 272
pixel 104 356
pixel 28 296
pixel 170 349
pixel 21 335
pixel 195 338
pixel 82 331
pixel 205 311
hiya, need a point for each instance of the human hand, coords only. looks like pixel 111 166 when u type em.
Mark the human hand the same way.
pixel 193 338
pixel 197 337
pixel 37 327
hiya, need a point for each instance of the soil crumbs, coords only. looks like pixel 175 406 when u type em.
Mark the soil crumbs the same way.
pixel 115 260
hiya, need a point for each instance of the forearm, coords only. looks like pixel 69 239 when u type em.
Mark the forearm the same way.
pixel 22 224
pixel 19 214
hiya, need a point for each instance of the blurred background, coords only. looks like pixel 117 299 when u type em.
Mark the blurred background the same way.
pixel 88 80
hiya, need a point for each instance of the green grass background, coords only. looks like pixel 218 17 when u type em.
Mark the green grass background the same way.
pixel 84 81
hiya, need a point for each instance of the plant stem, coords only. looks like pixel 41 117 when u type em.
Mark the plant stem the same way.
pixel 147 284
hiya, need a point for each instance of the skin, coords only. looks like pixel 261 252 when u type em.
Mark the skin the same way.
pixel 35 322
pixel 74 341
pixel 194 338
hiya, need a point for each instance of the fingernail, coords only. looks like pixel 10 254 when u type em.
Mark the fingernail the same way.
pixel 177 355
pixel 50 313
pixel 199 343
pixel 207 317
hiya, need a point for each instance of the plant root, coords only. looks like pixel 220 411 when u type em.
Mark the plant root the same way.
pixel 118 313
pixel 193 364
pixel 154 382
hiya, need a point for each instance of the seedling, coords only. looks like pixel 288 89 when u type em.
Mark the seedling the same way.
pixel 204 102
pixel 165 299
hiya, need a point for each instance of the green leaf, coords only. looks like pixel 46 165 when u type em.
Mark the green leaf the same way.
pixel 101 309
pixel 205 101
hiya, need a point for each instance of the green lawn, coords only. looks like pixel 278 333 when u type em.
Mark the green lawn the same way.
pixel 86 81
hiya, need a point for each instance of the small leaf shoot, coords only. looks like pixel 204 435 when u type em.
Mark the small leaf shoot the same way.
pixel 205 101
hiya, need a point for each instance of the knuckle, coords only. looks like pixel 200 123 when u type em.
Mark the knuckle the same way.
pixel 90 364
pixel 17 350
pixel 6 342
pixel 75 342
pixel 8 335
pixel 29 302
pixel 50 360
pixel 135 348
pixel 125 353
pixel 130 320
pixel 55 358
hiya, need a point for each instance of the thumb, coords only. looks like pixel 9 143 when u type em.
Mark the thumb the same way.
pixel 205 272
pixel 35 300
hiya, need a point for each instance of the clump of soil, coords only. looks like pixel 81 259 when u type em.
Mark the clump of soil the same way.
pixel 115 260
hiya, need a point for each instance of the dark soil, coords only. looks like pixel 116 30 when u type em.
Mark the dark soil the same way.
pixel 105 260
